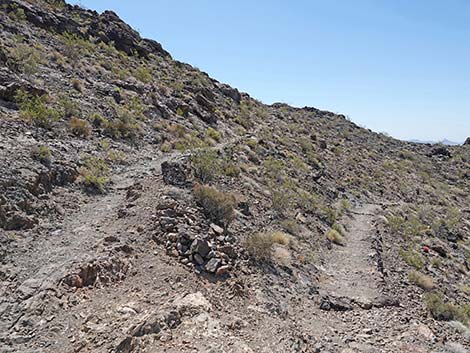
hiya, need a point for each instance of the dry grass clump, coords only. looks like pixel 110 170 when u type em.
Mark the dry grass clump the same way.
pixel 80 127
pixel 259 246
pixel 280 238
pixel 218 206
pixel 335 237
pixel 421 280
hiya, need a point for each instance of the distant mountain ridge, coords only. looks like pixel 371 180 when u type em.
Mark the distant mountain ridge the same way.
pixel 444 142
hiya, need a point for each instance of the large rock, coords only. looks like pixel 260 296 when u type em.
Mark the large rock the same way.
pixel 467 142
pixel 110 28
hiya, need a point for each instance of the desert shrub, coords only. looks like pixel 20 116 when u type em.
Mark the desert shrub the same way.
pixel 339 228
pixel 80 127
pixel 335 237
pixel 95 173
pixel 34 109
pixel 26 59
pixel 395 223
pixel 206 164
pixel 231 169
pixel 328 214
pixel 259 246
pixel 412 258
pixel 440 309
pixel 75 47
pixel 421 280
pixel 165 147
pixel 42 154
pixel 143 74
pixel 218 206
pixel 213 134
pixel 77 85
pixel 69 107
pixel 290 226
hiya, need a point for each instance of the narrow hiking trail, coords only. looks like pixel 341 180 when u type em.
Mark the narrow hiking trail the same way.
pixel 359 313
pixel 351 270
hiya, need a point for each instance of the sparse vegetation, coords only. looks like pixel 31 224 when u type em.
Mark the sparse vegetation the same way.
pixel 42 154
pixel 412 258
pixel 94 173
pixel 421 280
pixel 280 238
pixel 335 237
pixel 80 127
pixel 34 109
pixel 218 206
pixel 206 164
pixel 259 246
pixel 26 59
pixel 441 309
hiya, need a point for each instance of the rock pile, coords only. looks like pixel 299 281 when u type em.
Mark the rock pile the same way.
pixel 205 247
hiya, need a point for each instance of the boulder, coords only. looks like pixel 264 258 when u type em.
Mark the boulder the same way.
pixel 467 142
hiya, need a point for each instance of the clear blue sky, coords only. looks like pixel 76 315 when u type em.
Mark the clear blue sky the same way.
pixel 398 66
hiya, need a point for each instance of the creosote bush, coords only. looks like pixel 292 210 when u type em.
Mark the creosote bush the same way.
pixel 42 154
pixel 80 127
pixel 446 311
pixel 206 164
pixel 218 206
pixel 34 109
pixel 335 237
pixel 95 173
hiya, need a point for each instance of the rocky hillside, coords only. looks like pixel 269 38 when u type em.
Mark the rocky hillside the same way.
pixel 146 207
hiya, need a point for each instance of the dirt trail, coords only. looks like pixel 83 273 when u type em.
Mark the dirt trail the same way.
pixel 351 270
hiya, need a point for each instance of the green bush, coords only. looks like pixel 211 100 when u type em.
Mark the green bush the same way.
pixel 446 311
pixel 335 237
pixel 213 134
pixel 412 258
pixel 34 109
pixel 42 154
pixel 143 74
pixel 206 164
pixel 95 173
pixel 26 59
pixel 218 206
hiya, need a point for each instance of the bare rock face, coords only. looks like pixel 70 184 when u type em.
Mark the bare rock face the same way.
pixel 467 142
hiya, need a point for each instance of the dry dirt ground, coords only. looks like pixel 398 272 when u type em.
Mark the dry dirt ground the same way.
pixel 97 282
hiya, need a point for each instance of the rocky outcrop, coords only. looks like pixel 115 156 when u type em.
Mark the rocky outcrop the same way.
pixel 108 27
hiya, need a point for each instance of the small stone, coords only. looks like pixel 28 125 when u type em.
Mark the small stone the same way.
pixel 213 265
pixel 198 259
pixel 216 229
pixel 222 270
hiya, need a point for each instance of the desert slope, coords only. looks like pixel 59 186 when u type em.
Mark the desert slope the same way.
pixel 147 207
